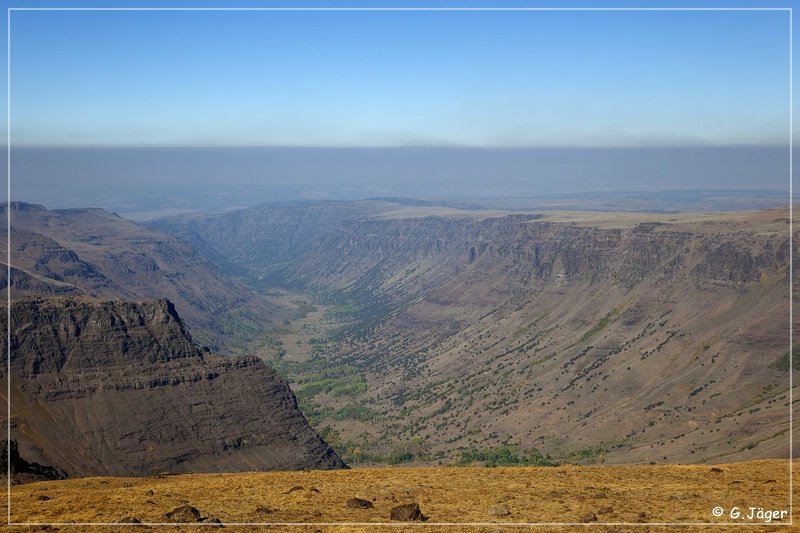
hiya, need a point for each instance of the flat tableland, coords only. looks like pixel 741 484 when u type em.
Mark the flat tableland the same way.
pixel 591 498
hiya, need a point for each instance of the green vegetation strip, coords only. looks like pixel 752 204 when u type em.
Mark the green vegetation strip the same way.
pixel 782 363
pixel 504 456
pixel 601 325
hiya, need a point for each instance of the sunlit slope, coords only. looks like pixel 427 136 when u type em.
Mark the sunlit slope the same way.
pixel 600 336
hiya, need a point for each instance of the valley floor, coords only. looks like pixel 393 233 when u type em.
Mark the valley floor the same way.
pixel 598 498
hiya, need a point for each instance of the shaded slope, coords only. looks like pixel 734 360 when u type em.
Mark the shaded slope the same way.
pixel 267 239
pixel 119 388
pixel 95 252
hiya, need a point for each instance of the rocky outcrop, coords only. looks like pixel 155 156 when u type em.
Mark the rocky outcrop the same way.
pixel 21 470
pixel 120 388
pixel 353 244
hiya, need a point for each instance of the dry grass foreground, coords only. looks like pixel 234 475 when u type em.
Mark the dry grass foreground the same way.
pixel 494 498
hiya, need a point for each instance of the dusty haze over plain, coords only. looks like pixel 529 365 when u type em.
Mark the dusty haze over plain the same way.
pixel 328 104
pixel 147 182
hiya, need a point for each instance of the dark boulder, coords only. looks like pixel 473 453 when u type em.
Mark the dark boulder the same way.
pixel 358 503
pixel 185 514
pixel 408 512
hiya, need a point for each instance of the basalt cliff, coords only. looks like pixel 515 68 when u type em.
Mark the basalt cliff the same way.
pixel 626 337
pixel 119 388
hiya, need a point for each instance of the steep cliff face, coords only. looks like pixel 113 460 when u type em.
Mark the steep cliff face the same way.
pixel 293 228
pixel 355 244
pixel 119 388
pixel 650 337
pixel 652 344
pixel 535 249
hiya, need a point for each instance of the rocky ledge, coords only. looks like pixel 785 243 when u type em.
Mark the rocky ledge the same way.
pixel 120 388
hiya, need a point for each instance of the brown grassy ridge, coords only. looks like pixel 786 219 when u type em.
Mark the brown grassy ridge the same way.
pixel 598 498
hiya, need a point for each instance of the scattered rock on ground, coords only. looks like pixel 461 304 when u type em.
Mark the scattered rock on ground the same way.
pixel 716 470
pixel 265 510
pixel 43 498
pixel 183 514
pixel 589 517
pixel 358 503
pixel 129 520
pixel 407 513
pixel 295 488
pixel 605 510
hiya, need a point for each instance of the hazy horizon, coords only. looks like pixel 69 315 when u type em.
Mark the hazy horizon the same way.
pixel 146 182
pixel 151 111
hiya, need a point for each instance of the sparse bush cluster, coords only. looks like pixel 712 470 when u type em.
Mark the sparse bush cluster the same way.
pixel 504 455
pixel 303 309
pixel 338 386
pixel 587 455
pixel 782 363
pixel 363 307
pixel 240 328
pixel 378 451
pixel 601 325
pixel 316 414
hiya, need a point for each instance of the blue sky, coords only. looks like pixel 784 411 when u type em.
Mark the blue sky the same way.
pixel 321 78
